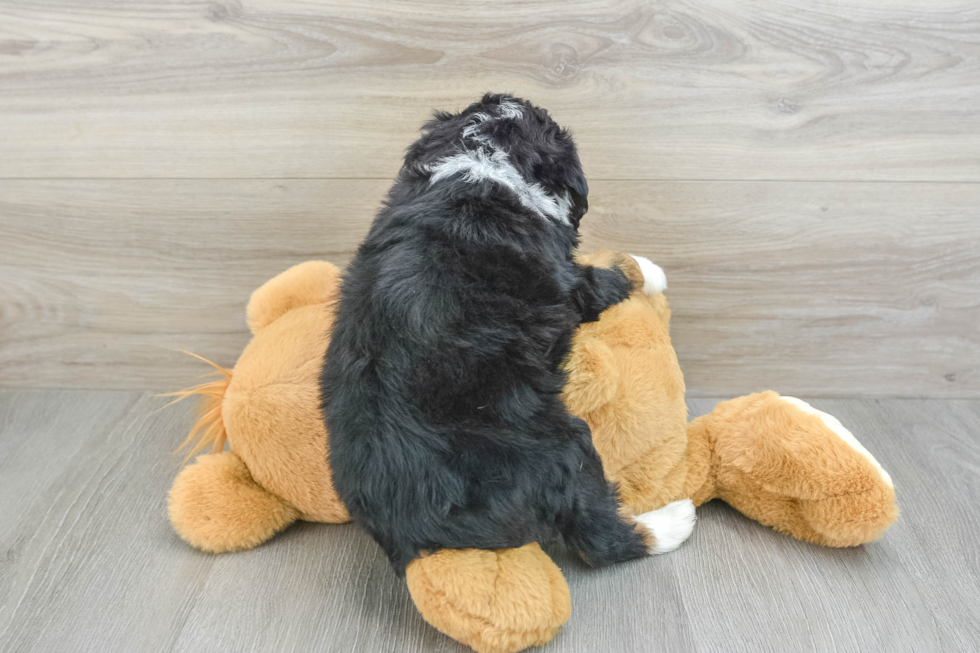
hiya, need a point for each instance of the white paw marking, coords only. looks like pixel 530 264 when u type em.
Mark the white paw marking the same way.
pixel 654 279
pixel 834 425
pixel 670 525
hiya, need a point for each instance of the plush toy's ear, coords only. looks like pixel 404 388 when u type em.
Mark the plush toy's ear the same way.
pixel 313 282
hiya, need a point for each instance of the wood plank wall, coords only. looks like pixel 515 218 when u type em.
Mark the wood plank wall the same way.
pixel 808 173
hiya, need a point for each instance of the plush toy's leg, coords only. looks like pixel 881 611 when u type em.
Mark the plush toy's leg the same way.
pixel 494 601
pixel 217 507
pixel 787 465
pixel 312 282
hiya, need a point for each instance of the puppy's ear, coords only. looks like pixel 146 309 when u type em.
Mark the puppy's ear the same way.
pixel 576 182
pixel 579 190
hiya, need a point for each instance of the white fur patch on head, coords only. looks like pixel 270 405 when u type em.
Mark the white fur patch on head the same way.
pixel 489 163
pixel 510 110
pixel 478 165
pixel 834 425
pixel 670 525
pixel 472 129
pixel 654 279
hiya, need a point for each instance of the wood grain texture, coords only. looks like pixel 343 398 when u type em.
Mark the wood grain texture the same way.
pixel 713 89
pixel 104 282
pixel 817 289
pixel 88 561
pixel 809 288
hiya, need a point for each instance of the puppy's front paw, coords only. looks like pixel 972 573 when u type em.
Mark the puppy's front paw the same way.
pixel 670 525
pixel 654 279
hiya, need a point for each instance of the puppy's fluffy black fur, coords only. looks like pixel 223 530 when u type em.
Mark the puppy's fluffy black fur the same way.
pixel 441 386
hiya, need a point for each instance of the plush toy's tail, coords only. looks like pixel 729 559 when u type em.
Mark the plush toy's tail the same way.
pixel 210 428
pixel 215 504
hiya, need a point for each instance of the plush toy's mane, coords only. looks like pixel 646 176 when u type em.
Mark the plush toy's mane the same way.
pixel 210 427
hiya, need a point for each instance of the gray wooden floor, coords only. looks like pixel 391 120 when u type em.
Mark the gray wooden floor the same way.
pixel 88 561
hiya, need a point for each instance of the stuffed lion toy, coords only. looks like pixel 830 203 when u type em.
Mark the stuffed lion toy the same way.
pixel 775 459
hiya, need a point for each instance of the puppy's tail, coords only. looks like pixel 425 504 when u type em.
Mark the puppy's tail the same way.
pixel 210 427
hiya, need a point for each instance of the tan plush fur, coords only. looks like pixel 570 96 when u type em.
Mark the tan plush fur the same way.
pixel 776 461
pixel 786 469
pixel 502 600
pixel 217 507
pixel 272 415
pixel 269 412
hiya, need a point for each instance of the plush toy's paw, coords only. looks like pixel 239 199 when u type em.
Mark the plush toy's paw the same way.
pixel 643 275
pixel 654 279
pixel 215 506
pixel 494 601
pixel 787 465
pixel 670 525
pixel 840 431
pixel 855 517
pixel 851 519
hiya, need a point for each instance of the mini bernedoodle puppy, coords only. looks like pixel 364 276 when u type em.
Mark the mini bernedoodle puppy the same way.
pixel 442 382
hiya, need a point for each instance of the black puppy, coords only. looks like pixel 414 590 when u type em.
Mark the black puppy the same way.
pixel 442 382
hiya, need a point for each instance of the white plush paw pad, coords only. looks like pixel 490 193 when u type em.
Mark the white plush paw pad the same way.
pixel 670 525
pixel 654 279
pixel 834 425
